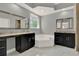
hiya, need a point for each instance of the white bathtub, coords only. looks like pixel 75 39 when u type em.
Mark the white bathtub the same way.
pixel 44 40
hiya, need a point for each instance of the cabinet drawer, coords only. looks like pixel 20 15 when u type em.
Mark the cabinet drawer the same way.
pixel 70 41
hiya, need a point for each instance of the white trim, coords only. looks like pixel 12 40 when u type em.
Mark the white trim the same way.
pixel 11 50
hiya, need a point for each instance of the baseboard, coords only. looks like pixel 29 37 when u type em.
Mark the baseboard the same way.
pixel 11 50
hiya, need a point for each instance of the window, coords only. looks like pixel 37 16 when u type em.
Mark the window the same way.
pixel 34 21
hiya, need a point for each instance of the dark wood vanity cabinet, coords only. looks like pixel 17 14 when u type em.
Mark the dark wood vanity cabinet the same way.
pixel 65 39
pixel 22 42
pixel 2 46
pixel 25 42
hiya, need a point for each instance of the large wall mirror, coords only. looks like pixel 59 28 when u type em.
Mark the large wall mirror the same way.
pixel 16 24
pixel 13 21
pixel 64 23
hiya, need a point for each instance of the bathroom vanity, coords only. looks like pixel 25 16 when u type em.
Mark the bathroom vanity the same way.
pixel 65 39
pixel 23 41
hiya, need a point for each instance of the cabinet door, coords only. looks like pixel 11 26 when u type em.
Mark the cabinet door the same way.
pixel 31 39
pixel 24 43
pixel 70 41
pixel 29 42
pixel 21 43
pixel 3 47
pixel 63 39
pixel 18 43
pixel 2 52
pixel 59 38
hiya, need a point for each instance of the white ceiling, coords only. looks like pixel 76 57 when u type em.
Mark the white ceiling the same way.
pixel 43 9
pixel 40 10
pixel 47 8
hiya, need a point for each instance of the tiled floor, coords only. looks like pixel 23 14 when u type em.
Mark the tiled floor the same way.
pixel 52 51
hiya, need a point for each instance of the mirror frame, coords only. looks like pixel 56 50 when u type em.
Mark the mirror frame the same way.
pixel 70 20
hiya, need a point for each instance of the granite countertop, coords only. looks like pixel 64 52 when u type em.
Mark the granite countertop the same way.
pixel 64 32
pixel 13 34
